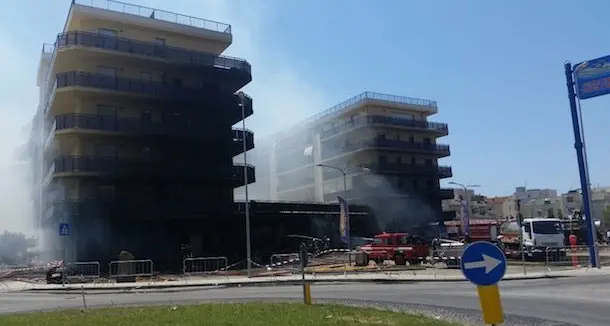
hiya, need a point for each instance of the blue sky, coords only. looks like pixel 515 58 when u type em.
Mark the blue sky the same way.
pixel 495 68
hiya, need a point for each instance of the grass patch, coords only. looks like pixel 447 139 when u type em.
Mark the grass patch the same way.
pixel 251 314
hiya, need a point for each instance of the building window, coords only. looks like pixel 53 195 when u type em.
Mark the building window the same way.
pixel 108 110
pixel 413 161
pixel 411 139
pixel 108 42
pixel 107 151
pixel 415 184
pixel 106 71
pixel 159 41
pixel 427 140
pixel 383 160
pixel 146 116
pixel 428 162
pixel 146 76
pixel 107 32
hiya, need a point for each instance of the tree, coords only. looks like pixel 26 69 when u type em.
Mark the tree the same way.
pixel 550 213
pixel 14 248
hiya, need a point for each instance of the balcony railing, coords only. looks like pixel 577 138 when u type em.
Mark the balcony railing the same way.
pixel 363 192
pixel 380 143
pixel 174 54
pixel 238 140
pixel 361 121
pixel 151 13
pixel 371 96
pixel 238 174
pixel 101 165
pixel 393 168
pixel 134 126
pixel 130 85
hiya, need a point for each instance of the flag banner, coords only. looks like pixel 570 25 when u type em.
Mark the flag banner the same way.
pixel 343 219
pixel 465 217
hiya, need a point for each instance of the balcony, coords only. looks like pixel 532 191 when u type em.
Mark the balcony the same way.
pixel 165 168
pixel 238 70
pixel 238 174
pixel 372 192
pixel 238 140
pixel 132 86
pixel 108 124
pixel 132 207
pixel 151 13
pixel 446 193
pixel 357 122
pixel 394 168
pixel 378 143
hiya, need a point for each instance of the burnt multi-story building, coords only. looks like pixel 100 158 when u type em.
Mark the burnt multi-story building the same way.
pixel 373 149
pixel 133 139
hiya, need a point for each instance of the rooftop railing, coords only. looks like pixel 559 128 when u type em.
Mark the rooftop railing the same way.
pixel 372 96
pixel 151 13
pixel 149 49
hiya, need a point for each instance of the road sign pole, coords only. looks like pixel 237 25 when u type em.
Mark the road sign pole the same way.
pixel 584 182
pixel 491 305
pixel 484 264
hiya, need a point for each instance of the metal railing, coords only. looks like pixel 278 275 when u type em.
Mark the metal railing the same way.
pixel 441 171
pixel 205 266
pixel 285 258
pixel 131 268
pixel 376 142
pixel 371 96
pixel 127 85
pixel 149 49
pixel 361 121
pixel 82 271
pixel 110 123
pixel 99 164
pixel 151 13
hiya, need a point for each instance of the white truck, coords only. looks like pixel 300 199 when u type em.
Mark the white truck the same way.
pixel 538 237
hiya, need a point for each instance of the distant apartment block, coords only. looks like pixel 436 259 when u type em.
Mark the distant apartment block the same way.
pixel 523 193
pixel 384 144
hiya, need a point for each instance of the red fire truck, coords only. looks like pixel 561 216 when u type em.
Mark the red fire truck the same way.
pixel 402 248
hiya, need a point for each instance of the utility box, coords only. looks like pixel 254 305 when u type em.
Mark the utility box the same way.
pixel 360 259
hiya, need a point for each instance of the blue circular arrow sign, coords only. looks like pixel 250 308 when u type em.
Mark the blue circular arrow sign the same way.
pixel 483 263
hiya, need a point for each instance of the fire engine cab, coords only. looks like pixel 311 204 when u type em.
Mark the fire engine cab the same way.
pixel 402 248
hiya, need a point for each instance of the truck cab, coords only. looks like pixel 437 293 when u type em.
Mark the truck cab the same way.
pixel 537 235
pixel 543 232
pixel 400 247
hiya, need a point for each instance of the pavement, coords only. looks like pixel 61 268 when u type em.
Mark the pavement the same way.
pixel 572 301
pixel 426 275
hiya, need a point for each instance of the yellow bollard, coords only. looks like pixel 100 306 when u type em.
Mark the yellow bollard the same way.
pixel 307 293
pixel 491 305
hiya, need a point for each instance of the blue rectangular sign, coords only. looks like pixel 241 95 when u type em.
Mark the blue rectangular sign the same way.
pixel 592 78
pixel 64 229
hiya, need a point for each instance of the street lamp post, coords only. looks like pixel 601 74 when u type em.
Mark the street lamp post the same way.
pixel 246 199
pixel 349 241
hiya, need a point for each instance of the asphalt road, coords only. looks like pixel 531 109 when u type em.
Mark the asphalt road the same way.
pixel 574 301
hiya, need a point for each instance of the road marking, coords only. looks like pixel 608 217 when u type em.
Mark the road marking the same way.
pixel 489 263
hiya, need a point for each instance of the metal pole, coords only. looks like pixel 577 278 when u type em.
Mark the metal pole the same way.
pixel 584 182
pixel 349 222
pixel 246 198
pixel 521 244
